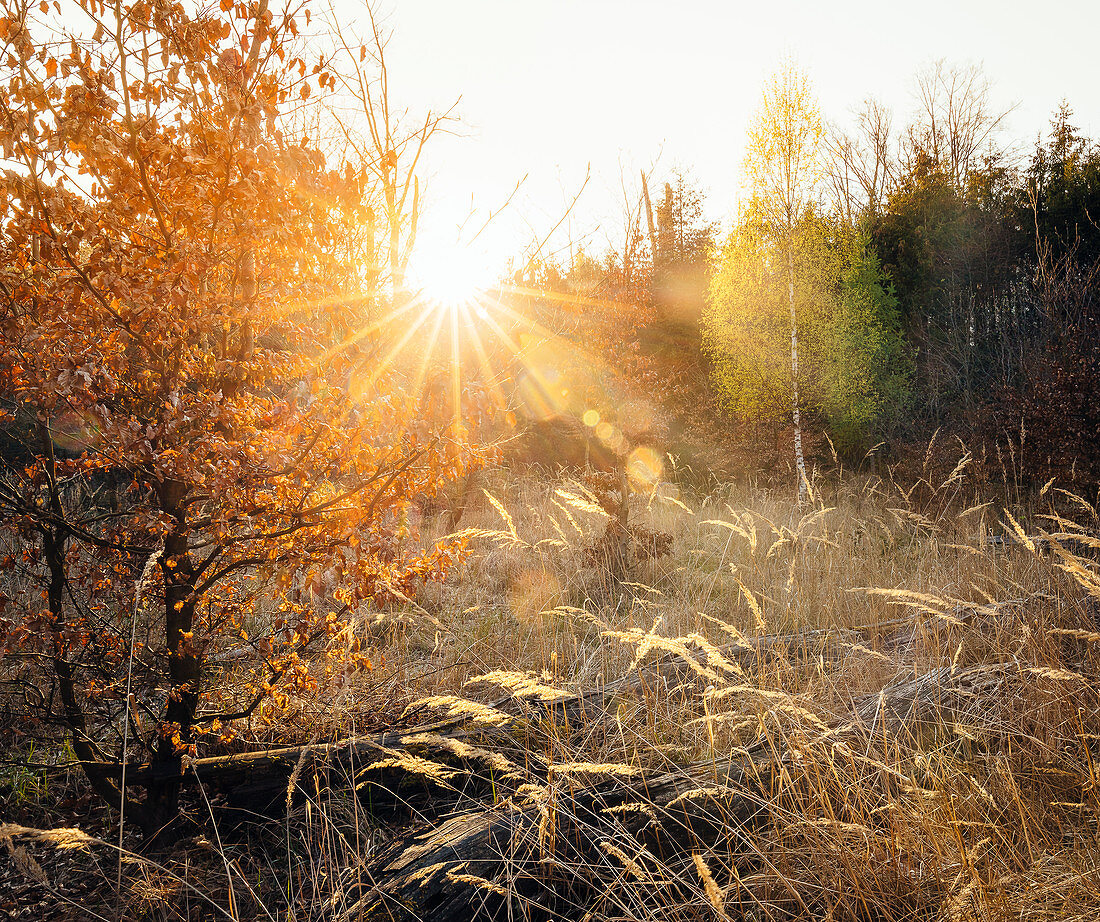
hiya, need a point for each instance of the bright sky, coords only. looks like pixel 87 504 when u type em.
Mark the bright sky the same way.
pixel 550 86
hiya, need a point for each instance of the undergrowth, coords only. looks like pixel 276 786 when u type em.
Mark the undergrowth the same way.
pixel 887 701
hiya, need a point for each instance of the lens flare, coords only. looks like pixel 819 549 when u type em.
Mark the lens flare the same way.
pixel 645 467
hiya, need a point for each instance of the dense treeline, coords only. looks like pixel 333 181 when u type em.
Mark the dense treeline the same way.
pixel 934 281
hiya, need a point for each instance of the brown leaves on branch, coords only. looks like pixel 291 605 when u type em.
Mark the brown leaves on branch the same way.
pixel 189 453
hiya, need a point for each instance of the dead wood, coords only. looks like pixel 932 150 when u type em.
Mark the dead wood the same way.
pixel 257 780
pixel 253 785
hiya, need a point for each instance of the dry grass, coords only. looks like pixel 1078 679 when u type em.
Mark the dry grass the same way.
pixel 922 742
pixel 979 804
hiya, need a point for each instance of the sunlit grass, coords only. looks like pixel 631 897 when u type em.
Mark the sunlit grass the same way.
pixel 923 725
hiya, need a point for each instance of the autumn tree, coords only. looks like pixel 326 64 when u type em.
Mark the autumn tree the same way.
pixel 800 316
pixel 171 278
pixel 783 165
pixel 745 333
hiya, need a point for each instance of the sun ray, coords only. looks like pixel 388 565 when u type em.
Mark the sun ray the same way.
pixel 559 297
pixel 534 326
pixel 456 371
pixel 396 349
pixel 483 360
pixel 520 354
pixel 366 330
pixel 525 351
pixel 426 359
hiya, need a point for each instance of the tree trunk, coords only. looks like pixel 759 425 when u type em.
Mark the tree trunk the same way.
pixel 649 222
pixel 397 279
pixel 799 461
pixel 54 551
pixel 372 264
pixel 184 672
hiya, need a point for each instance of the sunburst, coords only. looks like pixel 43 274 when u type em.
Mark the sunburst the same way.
pixel 451 278
pixel 454 327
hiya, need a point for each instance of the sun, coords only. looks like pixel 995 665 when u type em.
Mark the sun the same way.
pixel 454 277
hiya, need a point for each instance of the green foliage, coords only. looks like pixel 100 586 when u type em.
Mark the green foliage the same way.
pixel 855 364
pixel 744 330
pixel 866 365
pixel 991 265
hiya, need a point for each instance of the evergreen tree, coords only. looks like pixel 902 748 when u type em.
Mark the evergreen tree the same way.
pixel 685 247
pixel 1059 206
pixel 864 360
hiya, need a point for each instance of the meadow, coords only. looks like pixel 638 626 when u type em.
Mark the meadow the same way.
pixel 881 706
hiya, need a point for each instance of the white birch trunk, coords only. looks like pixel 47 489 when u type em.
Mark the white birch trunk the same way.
pixel 799 461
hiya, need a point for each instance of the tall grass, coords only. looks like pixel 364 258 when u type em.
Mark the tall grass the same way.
pixel 918 735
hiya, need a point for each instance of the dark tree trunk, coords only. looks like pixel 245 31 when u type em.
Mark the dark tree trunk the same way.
pixel 162 820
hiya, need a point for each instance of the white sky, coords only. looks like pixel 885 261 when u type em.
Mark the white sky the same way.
pixel 549 86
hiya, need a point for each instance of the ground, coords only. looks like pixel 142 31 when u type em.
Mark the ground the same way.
pixel 910 708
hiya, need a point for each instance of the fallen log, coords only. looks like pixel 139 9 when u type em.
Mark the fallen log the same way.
pixel 255 783
pixel 546 857
pixel 385 769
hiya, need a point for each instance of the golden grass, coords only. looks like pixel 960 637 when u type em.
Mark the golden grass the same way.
pixel 976 804
pixel 923 740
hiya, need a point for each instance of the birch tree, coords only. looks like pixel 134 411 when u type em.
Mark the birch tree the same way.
pixel 852 356
pixel 783 165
